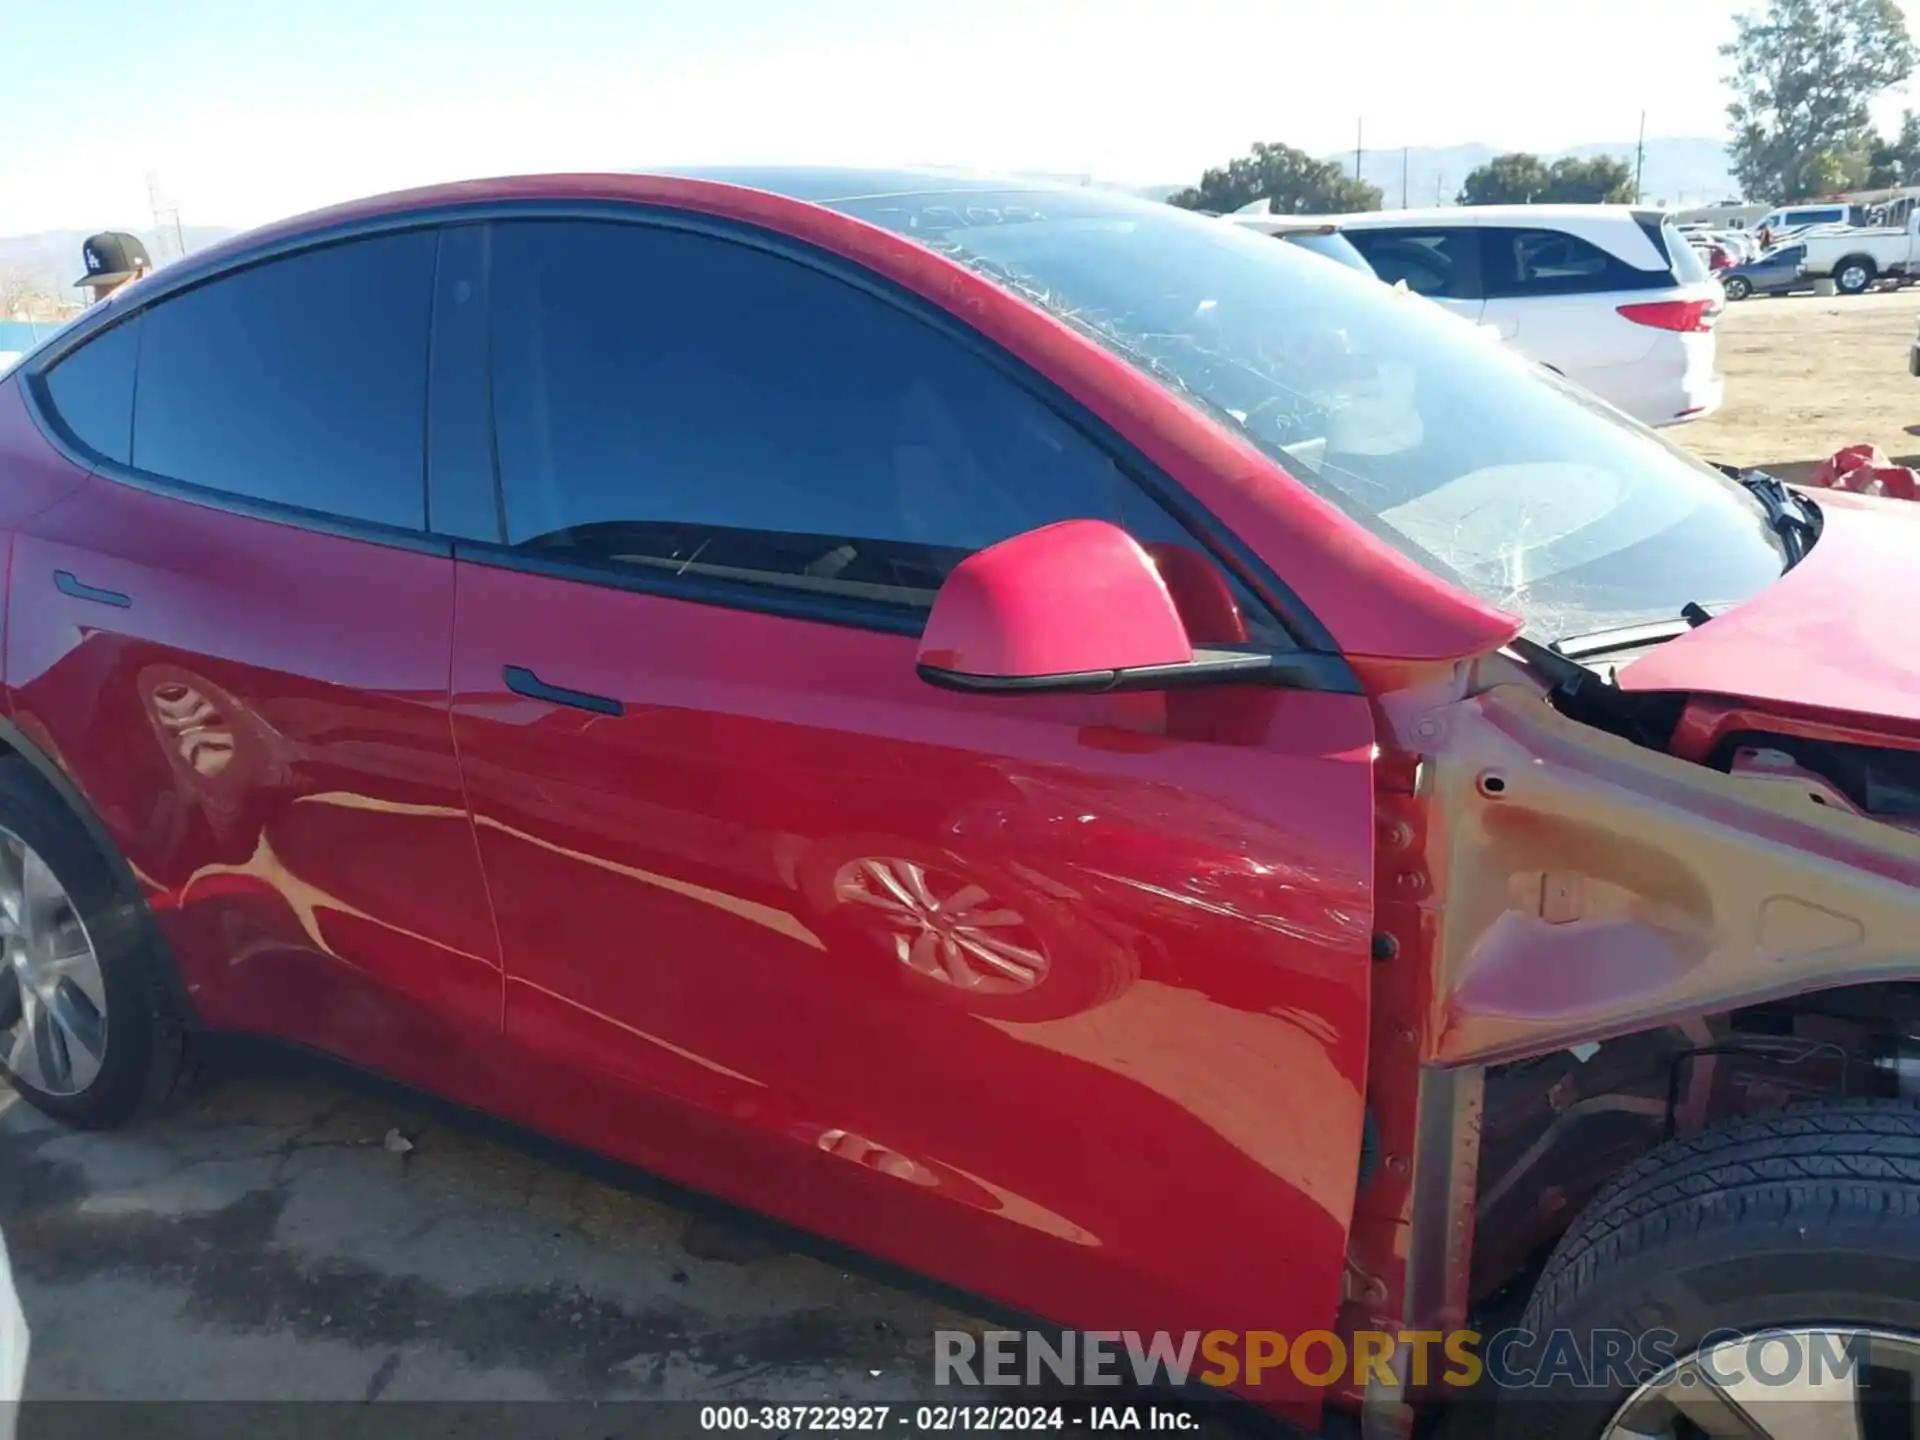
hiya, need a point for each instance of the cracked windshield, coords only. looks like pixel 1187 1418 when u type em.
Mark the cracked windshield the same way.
pixel 1479 464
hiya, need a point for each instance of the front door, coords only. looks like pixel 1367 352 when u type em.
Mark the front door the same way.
pixel 1010 990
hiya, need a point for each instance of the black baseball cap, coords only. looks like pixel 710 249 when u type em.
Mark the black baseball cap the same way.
pixel 112 255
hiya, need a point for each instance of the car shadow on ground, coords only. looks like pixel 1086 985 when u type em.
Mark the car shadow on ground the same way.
pixel 290 1234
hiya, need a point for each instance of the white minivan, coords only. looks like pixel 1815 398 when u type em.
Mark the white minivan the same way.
pixel 1609 296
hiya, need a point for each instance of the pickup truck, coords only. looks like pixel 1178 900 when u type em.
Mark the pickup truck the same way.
pixel 1856 258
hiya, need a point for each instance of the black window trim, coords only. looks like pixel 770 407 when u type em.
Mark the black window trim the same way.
pixel 1227 549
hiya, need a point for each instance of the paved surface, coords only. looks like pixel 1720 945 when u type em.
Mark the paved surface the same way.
pixel 266 1241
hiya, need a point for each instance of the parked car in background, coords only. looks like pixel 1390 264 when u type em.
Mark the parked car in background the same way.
pixel 1738 244
pixel 1714 255
pixel 1607 295
pixel 1087 753
pixel 1778 272
pixel 1777 225
pixel 1855 259
pixel 13 1348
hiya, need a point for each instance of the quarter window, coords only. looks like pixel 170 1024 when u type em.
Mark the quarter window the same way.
pixel 300 381
pixel 91 391
pixel 1522 263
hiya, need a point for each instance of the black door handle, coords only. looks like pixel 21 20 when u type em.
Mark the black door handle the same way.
pixel 523 681
pixel 66 584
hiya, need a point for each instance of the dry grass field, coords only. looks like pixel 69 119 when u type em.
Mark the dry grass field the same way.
pixel 1807 374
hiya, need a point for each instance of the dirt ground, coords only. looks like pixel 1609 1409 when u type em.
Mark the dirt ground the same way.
pixel 1807 374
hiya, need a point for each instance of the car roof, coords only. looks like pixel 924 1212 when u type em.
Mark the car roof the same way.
pixel 825 185
pixel 1535 216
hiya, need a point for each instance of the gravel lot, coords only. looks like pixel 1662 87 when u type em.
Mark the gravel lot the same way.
pixel 263 1242
pixel 1807 374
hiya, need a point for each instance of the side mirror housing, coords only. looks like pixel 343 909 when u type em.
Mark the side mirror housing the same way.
pixel 1080 606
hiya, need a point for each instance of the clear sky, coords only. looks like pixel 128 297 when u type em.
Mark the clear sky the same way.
pixel 251 109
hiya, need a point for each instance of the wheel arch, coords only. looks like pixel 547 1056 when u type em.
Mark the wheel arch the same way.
pixel 15 743
pixel 1558 1129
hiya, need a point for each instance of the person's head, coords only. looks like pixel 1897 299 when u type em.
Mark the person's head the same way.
pixel 113 257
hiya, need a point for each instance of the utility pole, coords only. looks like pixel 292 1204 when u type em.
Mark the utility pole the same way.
pixel 1404 152
pixel 166 216
pixel 1639 156
pixel 1359 134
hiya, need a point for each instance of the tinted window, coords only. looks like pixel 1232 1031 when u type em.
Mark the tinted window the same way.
pixel 1520 263
pixel 92 391
pixel 1441 263
pixel 301 381
pixel 681 403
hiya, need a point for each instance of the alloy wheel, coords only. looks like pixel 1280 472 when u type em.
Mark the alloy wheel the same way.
pixel 57 1036
pixel 1812 1383
pixel 949 931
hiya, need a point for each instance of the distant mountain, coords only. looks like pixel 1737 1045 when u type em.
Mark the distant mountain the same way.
pixel 1676 171
pixel 50 260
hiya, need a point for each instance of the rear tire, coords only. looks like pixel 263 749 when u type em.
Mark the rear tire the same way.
pixel 1807 1218
pixel 1853 275
pixel 143 1057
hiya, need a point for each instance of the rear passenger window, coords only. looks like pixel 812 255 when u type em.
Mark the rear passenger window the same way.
pixel 683 406
pixel 1523 263
pixel 1442 263
pixel 91 391
pixel 300 381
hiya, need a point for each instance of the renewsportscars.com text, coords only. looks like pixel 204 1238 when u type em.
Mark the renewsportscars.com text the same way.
pixel 1509 1359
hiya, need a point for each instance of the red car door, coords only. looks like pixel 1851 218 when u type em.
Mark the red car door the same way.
pixel 1061 999
pixel 234 638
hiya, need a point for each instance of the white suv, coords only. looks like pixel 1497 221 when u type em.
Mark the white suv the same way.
pixel 1609 296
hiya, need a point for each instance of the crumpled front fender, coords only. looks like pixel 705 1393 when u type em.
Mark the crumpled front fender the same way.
pixel 1589 887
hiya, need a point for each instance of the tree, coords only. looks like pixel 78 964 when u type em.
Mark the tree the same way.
pixel 1896 161
pixel 1603 180
pixel 1803 74
pixel 1523 179
pixel 1516 179
pixel 1291 180
pixel 21 293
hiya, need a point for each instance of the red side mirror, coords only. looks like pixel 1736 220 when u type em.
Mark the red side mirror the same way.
pixel 1072 606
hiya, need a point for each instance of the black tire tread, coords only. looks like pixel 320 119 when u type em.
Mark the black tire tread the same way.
pixel 1843 1165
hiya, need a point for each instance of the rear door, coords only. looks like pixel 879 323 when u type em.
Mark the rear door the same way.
pixel 1440 262
pixel 927 972
pixel 234 636
pixel 1578 307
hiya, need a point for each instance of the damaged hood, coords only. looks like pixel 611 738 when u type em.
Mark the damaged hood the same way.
pixel 1839 633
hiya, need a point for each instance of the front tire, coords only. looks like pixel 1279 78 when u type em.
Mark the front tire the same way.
pixel 1807 1220
pixel 1738 287
pixel 90 1031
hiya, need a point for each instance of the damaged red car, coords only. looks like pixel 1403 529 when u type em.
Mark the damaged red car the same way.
pixel 1083 753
